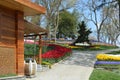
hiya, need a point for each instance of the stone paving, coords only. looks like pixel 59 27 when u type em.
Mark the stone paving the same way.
pixel 84 58
pixel 77 67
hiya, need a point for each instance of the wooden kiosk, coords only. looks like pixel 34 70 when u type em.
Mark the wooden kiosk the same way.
pixel 12 13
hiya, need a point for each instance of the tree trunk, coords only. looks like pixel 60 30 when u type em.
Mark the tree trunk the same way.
pixel 98 35
pixel 119 13
pixel 56 27
pixel 49 29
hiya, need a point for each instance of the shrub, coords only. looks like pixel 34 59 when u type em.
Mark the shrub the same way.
pixel 31 49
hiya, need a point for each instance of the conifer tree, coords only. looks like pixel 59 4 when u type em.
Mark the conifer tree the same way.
pixel 83 33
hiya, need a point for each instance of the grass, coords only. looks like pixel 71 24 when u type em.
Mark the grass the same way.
pixel 107 47
pixel 95 48
pixel 46 63
pixel 114 52
pixel 108 66
pixel 98 74
pixel 7 75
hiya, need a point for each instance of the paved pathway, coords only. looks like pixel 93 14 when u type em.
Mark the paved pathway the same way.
pixel 77 67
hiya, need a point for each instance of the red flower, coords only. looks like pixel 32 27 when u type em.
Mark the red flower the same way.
pixel 58 52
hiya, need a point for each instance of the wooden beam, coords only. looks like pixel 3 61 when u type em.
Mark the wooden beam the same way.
pixel 32 5
pixel 19 43
pixel 29 8
pixel 40 50
pixel 32 28
pixel 0 24
pixel 31 35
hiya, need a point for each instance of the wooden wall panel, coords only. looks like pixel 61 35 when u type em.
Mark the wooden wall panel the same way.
pixel 8 19
pixel 7 42
pixel 8 33
pixel 7 11
pixel 12 36
pixel 7 61
pixel 8 28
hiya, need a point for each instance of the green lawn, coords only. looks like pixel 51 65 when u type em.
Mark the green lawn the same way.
pixel 98 74
pixel 95 48
pixel 7 75
pixel 114 52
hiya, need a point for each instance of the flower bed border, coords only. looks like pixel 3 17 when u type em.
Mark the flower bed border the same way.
pixel 107 64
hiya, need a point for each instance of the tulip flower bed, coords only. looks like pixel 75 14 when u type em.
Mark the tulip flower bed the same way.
pixel 55 55
pixel 107 64
pixel 108 57
pixel 107 61
pixel 92 47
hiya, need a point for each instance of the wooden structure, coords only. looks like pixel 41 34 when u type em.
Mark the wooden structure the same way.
pixel 32 30
pixel 12 14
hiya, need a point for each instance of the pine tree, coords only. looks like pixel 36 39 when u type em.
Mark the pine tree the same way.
pixel 83 33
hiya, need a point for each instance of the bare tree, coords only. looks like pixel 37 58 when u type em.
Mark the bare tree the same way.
pixel 53 8
pixel 51 18
pixel 110 26
pixel 112 3
pixel 93 15
pixel 52 15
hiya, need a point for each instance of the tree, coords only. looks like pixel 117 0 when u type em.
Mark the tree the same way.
pixel 110 27
pixel 67 24
pixel 52 15
pixel 83 33
pixel 114 24
pixel 112 3
pixel 91 14
pixel 54 7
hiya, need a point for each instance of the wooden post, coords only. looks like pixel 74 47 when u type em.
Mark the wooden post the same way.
pixel 40 51
pixel 19 43
pixel 0 24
